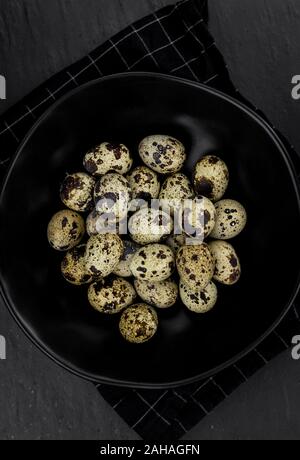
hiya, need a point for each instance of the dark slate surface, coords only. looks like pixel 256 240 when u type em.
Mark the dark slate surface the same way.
pixel 260 40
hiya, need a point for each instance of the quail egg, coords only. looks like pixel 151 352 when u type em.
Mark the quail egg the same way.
pixel 138 323
pixel 211 177
pixel 231 219
pixel 175 190
pixel 111 295
pixel 97 223
pixel 162 294
pixel 154 262
pixel 227 268
pixel 123 267
pixel 149 225
pixel 175 242
pixel 163 154
pixel 73 266
pixel 199 301
pixel 195 266
pixel 103 253
pixel 76 191
pixel 91 223
pixel 144 183
pixel 108 157
pixel 199 218
pixel 65 230
pixel 112 196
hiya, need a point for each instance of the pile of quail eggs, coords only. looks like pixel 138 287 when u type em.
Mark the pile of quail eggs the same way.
pixel 140 273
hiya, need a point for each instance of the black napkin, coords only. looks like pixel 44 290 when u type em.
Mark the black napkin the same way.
pixel 174 40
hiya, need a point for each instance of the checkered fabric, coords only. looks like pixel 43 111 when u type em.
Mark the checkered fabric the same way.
pixel 174 40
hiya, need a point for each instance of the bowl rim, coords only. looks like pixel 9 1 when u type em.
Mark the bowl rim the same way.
pixel 96 379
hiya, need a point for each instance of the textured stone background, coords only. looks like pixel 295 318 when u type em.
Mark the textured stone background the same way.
pixel 260 40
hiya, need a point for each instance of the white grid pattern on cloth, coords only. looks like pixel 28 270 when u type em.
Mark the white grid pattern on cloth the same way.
pixel 184 62
pixel 281 339
pixel 94 62
pixel 236 367
pixel 113 46
pixel 173 42
pixel 151 407
pixel 261 356
pixel 181 425
pixel 296 312
pixel 198 403
pixel 72 78
pixel 149 53
pixel 51 94
pixel 3 162
pixel 9 128
pixel 30 112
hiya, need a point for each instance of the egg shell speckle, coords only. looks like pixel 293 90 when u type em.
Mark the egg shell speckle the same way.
pixel 162 294
pixel 91 223
pixel 144 183
pixel 112 195
pixel 176 241
pixel 108 157
pixel 138 323
pixel 231 219
pixel 111 295
pixel 149 225
pixel 163 154
pixel 73 266
pixel 195 266
pixel 199 218
pixel 65 230
pixel 211 177
pixel 199 301
pixel 227 268
pixel 103 253
pixel 123 267
pixel 154 262
pixel 175 190
pixel 76 191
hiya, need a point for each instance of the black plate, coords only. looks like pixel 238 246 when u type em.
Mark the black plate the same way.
pixel 125 108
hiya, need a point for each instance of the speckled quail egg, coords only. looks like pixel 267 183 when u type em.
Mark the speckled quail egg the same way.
pixel 123 267
pixel 91 223
pixel 199 301
pixel 103 253
pixel 112 196
pixel 231 218
pixel 162 294
pixel 199 218
pixel 111 295
pixel 176 241
pixel 211 177
pixel 138 323
pixel 227 268
pixel 108 157
pixel 73 266
pixel 175 190
pixel 97 223
pixel 76 191
pixel 154 262
pixel 163 154
pixel 65 230
pixel 195 266
pixel 144 183
pixel 149 225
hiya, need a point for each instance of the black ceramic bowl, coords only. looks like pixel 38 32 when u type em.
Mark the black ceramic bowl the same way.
pixel 187 347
